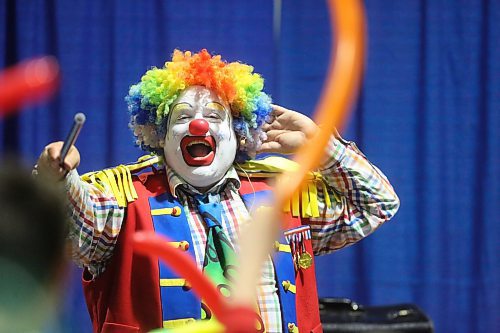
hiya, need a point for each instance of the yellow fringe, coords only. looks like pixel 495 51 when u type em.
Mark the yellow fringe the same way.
pixel 304 202
pixel 119 179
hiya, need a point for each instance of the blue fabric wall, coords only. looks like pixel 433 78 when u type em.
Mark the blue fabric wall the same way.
pixel 428 115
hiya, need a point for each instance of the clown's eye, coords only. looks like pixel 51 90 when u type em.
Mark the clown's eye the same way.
pixel 183 118
pixel 214 116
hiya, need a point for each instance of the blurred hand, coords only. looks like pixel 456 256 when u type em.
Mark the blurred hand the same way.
pixel 287 131
pixel 49 162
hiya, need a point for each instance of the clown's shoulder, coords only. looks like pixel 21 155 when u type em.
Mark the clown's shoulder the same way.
pixel 304 202
pixel 119 178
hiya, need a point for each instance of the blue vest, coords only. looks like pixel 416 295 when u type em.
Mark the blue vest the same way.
pixel 179 303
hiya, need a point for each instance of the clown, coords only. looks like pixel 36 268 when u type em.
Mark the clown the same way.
pixel 204 120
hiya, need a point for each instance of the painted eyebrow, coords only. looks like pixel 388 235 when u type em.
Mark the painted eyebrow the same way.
pixel 215 106
pixel 183 105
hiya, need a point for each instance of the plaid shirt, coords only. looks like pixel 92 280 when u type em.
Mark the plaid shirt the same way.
pixel 365 200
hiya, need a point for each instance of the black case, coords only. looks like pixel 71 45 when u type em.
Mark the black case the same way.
pixel 341 315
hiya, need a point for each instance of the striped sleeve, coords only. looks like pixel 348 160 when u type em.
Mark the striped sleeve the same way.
pixel 95 222
pixel 361 198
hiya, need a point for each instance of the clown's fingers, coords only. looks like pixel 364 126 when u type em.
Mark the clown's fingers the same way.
pixel 49 163
pixel 53 151
pixel 72 160
pixel 278 110
pixel 270 147
pixel 272 134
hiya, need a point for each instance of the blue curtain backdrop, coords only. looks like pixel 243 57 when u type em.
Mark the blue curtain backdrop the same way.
pixel 428 115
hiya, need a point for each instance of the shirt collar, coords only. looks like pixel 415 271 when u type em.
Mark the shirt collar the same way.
pixel 174 181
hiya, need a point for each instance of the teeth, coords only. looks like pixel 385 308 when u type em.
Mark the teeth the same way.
pixel 198 142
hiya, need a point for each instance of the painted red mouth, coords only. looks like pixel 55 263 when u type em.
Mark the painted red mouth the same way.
pixel 198 150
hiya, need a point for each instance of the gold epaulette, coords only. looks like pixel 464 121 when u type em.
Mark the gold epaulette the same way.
pixel 305 201
pixel 119 178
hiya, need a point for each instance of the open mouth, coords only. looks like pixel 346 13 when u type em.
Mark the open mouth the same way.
pixel 198 150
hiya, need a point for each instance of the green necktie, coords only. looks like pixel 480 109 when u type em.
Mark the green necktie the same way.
pixel 220 258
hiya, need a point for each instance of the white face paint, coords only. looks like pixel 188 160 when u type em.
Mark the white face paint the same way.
pixel 200 144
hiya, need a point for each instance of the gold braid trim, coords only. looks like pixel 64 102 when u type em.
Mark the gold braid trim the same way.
pixel 119 178
pixel 304 202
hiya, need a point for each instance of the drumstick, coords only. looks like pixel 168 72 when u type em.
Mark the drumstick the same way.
pixel 72 136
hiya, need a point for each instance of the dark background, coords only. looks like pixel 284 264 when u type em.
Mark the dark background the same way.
pixel 428 116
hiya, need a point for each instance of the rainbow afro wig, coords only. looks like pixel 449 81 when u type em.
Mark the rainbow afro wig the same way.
pixel 149 101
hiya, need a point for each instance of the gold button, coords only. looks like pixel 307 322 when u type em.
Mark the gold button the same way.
pixel 292 328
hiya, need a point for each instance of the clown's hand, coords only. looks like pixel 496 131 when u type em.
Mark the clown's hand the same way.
pixel 49 163
pixel 287 131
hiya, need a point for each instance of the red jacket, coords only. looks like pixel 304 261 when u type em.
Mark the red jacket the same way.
pixel 126 296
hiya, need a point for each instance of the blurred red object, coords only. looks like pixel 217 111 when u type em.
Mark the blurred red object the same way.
pixel 28 82
pixel 236 318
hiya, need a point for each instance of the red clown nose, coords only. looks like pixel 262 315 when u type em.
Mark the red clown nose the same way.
pixel 198 127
